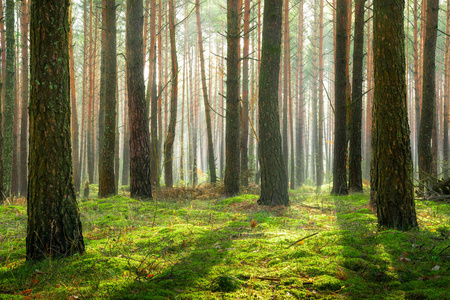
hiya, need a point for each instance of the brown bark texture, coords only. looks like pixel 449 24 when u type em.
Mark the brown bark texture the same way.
pixel 232 160
pixel 168 145
pixel 140 185
pixel 391 168
pixel 355 171
pixel 340 138
pixel 54 227
pixel 428 93
pixel 107 186
pixel 274 182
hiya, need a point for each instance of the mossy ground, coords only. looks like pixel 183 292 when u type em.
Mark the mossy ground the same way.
pixel 193 247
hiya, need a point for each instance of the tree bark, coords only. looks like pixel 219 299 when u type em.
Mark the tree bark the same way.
pixel 391 153
pixel 10 98
pixel 211 158
pixel 300 159
pixel 168 145
pixel 355 172
pixel 245 95
pixel 54 226
pixel 73 101
pixel 446 164
pixel 340 139
pixel 274 182
pixel 139 133
pixel 107 186
pixel 428 94
pixel 232 114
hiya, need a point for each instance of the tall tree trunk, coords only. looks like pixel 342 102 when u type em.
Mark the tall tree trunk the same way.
pixel 232 116
pixel 284 89
pixel 54 226
pixel 417 94
pixel 15 162
pixel 320 103
pixel 429 93
pixel 152 94
pixel 391 150
pixel 138 121
pixel 107 186
pixel 168 145
pixel 274 182
pixel 10 98
pixel 90 130
pixel 74 110
pixel 211 158
pixel 300 162
pixel 355 172
pixel 446 119
pixel 340 140
pixel 245 95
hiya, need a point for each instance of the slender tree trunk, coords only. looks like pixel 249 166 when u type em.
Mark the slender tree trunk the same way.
pixel 355 172
pixel 73 101
pixel 168 145
pixel 340 140
pixel 245 95
pixel 54 226
pixel 320 103
pixel 15 162
pixel 232 115
pixel 10 98
pixel 138 121
pixel 211 158
pixel 446 119
pixel 391 151
pixel 90 138
pixel 274 182
pixel 107 186
pixel 286 56
pixel 429 94
pixel 152 94
pixel 300 162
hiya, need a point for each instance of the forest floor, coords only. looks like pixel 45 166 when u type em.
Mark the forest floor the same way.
pixel 194 244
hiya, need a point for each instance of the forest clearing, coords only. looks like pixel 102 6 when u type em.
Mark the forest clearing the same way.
pixel 239 149
pixel 194 245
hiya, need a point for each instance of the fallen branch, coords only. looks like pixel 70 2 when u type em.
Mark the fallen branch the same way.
pixel 437 198
pixel 308 236
pixel 260 278
pixel 443 250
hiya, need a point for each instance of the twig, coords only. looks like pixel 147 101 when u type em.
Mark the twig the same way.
pixel 443 250
pixel 308 236
pixel 259 277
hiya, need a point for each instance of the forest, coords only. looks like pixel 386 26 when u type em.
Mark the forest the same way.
pixel 238 149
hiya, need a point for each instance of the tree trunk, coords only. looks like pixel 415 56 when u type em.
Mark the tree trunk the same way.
pixel 429 94
pixel 232 116
pixel 73 101
pixel 211 158
pixel 138 121
pixel 10 98
pixel 54 226
pixel 152 94
pixel 446 164
pixel 340 139
pixel 245 95
pixel 90 130
pixel 274 182
pixel 300 161
pixel 391 152
pixel 107 186
pixel 355 172
pixel 285 87
pixel 168 145
pixel 320 103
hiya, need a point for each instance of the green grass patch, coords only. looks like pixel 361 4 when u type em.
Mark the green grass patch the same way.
pixel 232 248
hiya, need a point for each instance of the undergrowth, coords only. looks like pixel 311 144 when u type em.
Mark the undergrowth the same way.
pixel 193 244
